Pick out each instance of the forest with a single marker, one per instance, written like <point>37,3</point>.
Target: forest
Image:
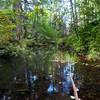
<point>46,45</point>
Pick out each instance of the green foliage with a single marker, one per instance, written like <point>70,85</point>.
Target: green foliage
<point>48,31</point>
<point>6,27</point>
<point>42,28</point>
<point>75,42</point>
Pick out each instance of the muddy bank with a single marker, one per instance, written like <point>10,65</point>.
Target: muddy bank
<point>90,72</point>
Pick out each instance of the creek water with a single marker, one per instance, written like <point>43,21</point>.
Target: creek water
<point>86,75</point>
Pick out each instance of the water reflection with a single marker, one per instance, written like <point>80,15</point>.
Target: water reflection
<point>41,81</point>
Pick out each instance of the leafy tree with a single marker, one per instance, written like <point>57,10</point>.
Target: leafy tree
<point>6,27</point>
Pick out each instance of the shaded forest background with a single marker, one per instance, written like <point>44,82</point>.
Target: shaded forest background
<point>26,25</point>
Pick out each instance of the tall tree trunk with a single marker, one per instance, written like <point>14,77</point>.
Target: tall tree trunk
<point>17,7</point>
<point>73,16</point>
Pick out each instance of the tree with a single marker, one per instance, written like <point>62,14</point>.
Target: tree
<point>6,27</point>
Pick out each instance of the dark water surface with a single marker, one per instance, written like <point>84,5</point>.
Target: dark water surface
<point>88,71</point>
